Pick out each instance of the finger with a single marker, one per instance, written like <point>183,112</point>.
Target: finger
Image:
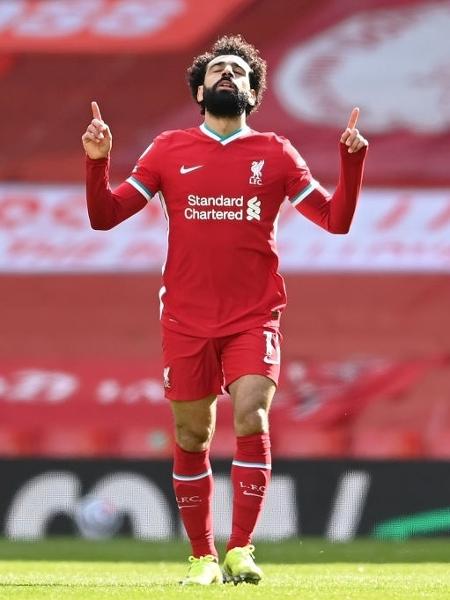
<point>100,125</point>
<point>95,130</point>
<point>89,137</point>
<point>95,133</point>
<point>353,118</point>
<point>345,136</point>
<point>353,135</point>
<point>98,129</point>
<point>358,144</point>
<point>96,111</point>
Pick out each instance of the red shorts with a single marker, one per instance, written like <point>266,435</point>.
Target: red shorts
<point>198,367</point>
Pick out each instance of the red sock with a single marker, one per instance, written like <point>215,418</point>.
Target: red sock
<point>193,485</point>
<point>250,475</point>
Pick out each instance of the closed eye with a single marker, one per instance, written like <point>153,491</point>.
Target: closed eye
<point>237,69</point>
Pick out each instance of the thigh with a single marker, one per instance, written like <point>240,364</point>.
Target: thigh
<point>253,352</point>
<point>252,392</point>
<point>192,368</point>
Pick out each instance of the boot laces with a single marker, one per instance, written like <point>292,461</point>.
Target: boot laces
<point>197,563</point>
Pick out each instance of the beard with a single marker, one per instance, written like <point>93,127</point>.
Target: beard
<point>224,103</point>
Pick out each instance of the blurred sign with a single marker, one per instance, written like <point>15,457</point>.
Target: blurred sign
<point>108,25</point>
<point>46,229</point>
<point>314,77</point>
<point>47,393</point>
<point>388,58</point>
<point>357,498</point>
<point>113,393</point>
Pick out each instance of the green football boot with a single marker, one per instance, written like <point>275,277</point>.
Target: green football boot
<point>203,571</point>
<point>239,566</point>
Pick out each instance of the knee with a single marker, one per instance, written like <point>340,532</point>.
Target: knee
<point>249,422</point>
<point>193,438</point>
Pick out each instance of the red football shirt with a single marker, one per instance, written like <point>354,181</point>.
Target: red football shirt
<point>221,197</point>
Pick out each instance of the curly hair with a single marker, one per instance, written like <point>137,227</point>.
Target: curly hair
<point>234,45</point>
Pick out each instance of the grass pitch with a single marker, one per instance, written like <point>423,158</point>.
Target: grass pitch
<point>309,570</point>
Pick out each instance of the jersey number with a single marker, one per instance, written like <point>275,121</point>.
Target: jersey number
<point>272,356</point>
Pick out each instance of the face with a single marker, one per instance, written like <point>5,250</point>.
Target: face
<point>226,91</point>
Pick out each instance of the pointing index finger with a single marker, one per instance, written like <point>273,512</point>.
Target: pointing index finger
<point>96,111</point>
<point>353,118</point>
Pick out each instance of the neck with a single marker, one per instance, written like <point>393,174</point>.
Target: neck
<point>225,125</point>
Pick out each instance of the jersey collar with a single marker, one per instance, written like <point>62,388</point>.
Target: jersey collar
<point>224,139</point>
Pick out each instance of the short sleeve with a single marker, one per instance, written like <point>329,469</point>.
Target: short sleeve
<point>299,182</point>
<point>146,175</point>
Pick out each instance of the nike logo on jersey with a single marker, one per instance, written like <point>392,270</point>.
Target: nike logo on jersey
<point>184,170</point>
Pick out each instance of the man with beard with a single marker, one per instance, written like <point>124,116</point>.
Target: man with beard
<point>221,186</point>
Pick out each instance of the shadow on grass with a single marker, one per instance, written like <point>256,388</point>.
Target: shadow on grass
<point>290,551</point>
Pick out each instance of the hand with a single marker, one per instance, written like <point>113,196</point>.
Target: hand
<point>97,140</point>
<point>351,136</point>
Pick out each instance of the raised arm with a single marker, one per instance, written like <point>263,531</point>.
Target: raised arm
<point>335,212</point>
<point>106,208</point>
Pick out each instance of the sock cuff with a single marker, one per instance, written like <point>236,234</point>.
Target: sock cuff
<point>253,448</point>
<point>255,440</point>
<point>190,464</point>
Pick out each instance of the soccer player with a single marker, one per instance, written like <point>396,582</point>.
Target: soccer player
<point>221,186</point>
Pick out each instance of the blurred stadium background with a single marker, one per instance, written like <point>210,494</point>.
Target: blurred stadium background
<point>361,423</point>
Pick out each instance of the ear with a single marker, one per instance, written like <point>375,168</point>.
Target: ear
<point>251,98</point>
<point>200,94</point>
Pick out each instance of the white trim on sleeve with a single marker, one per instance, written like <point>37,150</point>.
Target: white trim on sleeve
<point>305,192</point>
<point>140,188</point>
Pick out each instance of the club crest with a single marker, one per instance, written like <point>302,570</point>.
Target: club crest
<point>256,169</point>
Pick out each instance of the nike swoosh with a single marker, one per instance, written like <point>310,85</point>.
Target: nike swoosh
<point>184,170</point>
<point>251,494</point>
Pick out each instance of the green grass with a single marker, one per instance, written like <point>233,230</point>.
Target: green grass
<point>309,570</point>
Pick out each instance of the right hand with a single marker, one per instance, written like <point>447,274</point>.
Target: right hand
<point>351,136</point>
<point>97,139</point>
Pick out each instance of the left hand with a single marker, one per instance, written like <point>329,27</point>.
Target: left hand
<point>351,136</point>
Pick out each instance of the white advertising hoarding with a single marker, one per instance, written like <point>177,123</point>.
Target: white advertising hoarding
<point>45,229</point>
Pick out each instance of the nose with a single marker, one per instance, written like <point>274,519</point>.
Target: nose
<point>228,70</point>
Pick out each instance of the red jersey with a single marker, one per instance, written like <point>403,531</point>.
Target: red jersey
<point>221,197</point>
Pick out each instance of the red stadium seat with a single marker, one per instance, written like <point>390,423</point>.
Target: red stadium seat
<point>224,442</point>
<point>143,442</point>
<point>80,442</point>
<point>438,445</point>
<point>386,443</point>
<point>16,442</point>
<point>294,441</point>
